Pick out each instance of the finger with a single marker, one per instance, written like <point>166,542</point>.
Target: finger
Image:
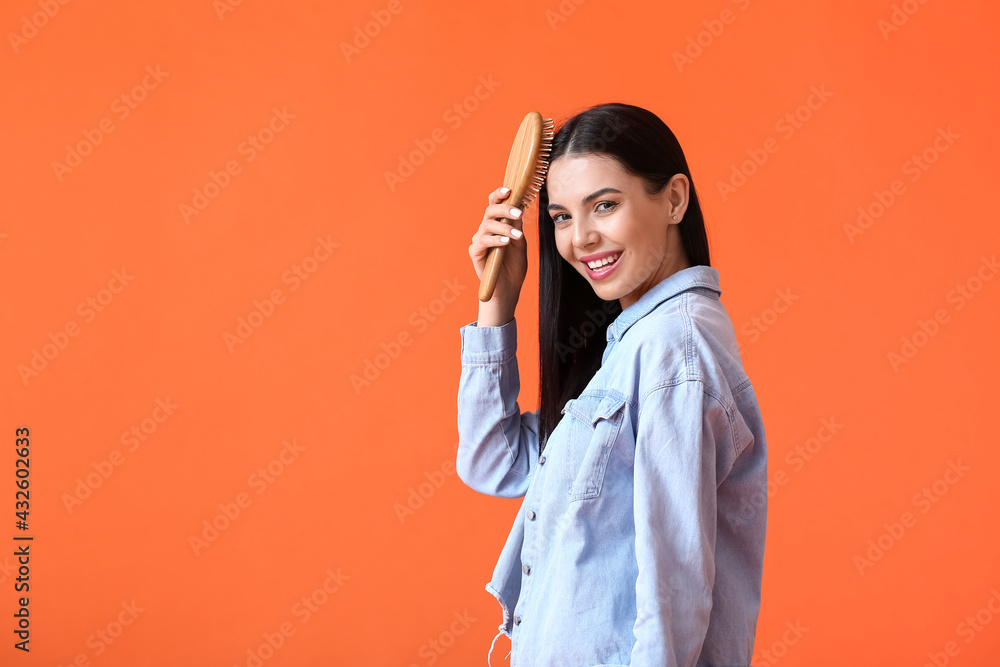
<point>498,211</point>
<point>479,250</point>
<point>496,239</point>
<point>487,241</point>
<point>487,235</point>
<point>500,228</point>
<point>499,195</point>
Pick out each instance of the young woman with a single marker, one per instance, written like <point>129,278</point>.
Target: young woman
<point>640,539</point>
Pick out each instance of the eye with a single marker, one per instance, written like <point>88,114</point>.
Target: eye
<point>556,218</point>
<point>611,207</point>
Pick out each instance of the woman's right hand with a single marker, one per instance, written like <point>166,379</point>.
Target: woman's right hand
<point>494,232</point>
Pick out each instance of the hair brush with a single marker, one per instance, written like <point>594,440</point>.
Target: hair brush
<point>526,167</point>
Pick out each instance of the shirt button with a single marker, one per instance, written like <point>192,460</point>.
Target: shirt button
<point>517,620</point>
<point>531,515</point>
<point>541,460</point>
<point>526,569</point>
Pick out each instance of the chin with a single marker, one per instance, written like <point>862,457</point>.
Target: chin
<point>605,289</point>
<point>606,292</point>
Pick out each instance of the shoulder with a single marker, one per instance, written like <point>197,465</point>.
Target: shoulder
<point>689,338</point>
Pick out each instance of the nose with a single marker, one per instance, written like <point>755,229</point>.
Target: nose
<point>584,234</point>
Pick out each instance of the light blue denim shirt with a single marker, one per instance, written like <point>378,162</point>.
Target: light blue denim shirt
<point>640,539</point>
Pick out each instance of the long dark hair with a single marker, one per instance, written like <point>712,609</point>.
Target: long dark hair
<point>572,319</point>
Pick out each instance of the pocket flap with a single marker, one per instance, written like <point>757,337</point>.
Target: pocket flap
<point>588,408</point>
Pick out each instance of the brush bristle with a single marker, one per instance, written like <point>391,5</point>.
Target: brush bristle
<point>541,166</point>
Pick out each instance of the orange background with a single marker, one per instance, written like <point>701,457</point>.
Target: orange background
<point>365,452</point>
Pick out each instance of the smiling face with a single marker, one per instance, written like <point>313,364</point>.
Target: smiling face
<point>601,211</point>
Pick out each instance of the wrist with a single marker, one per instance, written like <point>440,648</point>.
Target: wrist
<point>495,314</point>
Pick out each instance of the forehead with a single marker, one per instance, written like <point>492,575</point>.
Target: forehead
<point>578,173</point>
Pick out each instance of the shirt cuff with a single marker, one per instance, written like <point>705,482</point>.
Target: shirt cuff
<point>485,345</point>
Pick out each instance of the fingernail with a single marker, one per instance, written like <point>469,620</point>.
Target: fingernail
<point>515,212</point>
<point>504,191</point>
<point>516,233</point>
<point>504,239</point>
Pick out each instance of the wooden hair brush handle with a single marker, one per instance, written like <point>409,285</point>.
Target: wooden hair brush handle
<point>526,169</point>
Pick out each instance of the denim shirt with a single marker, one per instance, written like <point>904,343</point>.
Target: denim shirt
<point>640,539</point>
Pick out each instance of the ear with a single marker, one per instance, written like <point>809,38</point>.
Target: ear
<point>677,195</point>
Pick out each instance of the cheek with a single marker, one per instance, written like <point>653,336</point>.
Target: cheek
<point>562,244</point>
<point>564,247</point>
<point>639,239</point>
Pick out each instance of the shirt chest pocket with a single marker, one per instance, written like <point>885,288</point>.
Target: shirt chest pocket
<point>594,424</point>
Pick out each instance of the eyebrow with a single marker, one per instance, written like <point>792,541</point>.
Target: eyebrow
<point>587,199</point>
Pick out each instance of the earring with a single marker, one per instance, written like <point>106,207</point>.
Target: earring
<point>675,217</point>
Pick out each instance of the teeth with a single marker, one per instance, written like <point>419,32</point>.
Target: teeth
<point>596,264</point>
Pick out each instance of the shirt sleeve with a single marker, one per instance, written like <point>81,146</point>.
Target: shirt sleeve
<point>497,443</point>
<point>675,522</point>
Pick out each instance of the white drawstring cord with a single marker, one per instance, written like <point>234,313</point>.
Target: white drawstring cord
<point>490,654</point>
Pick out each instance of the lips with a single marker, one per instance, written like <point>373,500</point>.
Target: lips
<point>605,270</point>
<point>598,255</point>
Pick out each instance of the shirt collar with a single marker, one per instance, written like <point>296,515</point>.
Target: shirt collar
<point>680,281</point>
